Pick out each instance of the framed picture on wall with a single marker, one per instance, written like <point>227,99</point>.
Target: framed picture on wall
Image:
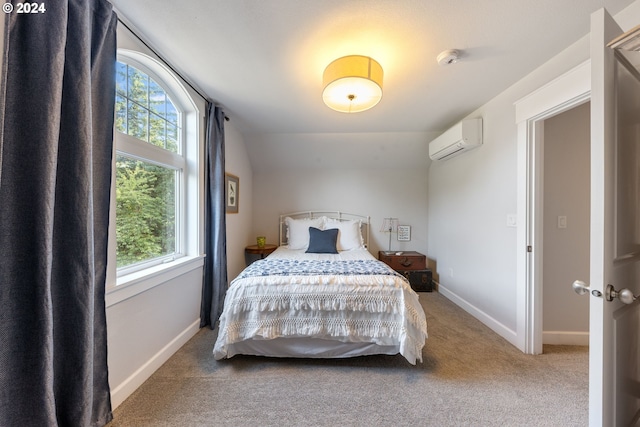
<point>232,192</point>
<point>404,233</point>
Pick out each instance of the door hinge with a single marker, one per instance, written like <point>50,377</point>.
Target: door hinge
<point>529,248</point>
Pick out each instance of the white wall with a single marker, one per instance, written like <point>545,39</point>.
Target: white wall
<point>376,174</point>
<point>379,193</point>
<point>146,328</point>
<point>566,250</point>
<point>471,195</point>
<point>239,229</point>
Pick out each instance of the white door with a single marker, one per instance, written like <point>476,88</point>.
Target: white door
<point>614,367</point>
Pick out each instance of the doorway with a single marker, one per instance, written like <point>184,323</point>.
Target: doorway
<point>568,91</point>
<point>566,225</point>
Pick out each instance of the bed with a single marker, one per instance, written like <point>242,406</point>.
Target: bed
<point>321,294</point>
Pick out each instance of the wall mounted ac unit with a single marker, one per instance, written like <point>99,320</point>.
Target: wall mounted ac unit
<point>462,137</point>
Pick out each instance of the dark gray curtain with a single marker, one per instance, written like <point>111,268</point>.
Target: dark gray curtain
<point>214,286</point>
<point>56,139</point>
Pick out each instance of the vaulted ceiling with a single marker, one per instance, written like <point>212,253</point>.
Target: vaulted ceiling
<point>263,60</point>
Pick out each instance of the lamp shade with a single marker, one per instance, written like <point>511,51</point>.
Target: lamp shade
<point>389,225</point>
<point>352,84</point>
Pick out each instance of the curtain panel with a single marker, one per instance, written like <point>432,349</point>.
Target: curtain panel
<point>56,140</point>
<point>214,286</point>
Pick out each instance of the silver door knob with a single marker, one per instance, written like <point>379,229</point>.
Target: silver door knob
<point>581,288</point>
<point>624,295</point>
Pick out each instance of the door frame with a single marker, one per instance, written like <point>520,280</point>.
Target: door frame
<point>564,93</point>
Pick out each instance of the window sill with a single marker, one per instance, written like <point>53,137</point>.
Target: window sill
<point>140,281</point>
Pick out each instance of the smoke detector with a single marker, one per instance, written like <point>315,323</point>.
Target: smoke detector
<point>448,57</point>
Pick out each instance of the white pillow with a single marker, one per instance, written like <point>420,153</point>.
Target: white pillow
<point>349,234</point>
<point>298,231</point>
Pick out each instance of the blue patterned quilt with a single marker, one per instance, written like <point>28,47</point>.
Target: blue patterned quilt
<point>289,267</point>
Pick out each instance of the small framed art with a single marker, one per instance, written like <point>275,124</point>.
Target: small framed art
<point>232,192</point>
<point>404,233</point>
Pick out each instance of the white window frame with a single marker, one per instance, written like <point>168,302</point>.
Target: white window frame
<point>130,280</point>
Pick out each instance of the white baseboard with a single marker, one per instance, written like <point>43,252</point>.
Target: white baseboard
<point>565,338</point>
<point>120,393</point>
<point>510,335</point>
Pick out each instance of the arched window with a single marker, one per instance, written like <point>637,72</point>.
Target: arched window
<point>151,175</point>
<point>144,110</point>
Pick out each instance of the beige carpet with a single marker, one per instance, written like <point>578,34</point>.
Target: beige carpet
<point>470,377</point>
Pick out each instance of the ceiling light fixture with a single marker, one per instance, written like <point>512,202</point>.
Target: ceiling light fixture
<point>352,84</point>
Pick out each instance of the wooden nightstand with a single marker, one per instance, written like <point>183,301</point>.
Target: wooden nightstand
<point>252,250</point>
<point>412,265</point>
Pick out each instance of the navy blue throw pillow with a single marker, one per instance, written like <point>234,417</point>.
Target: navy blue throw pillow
<point>322,242</point>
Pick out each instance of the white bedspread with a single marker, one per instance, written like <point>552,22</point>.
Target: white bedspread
<point>357,307</point>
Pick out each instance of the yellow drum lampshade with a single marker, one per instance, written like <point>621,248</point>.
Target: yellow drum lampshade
<point>352,84</point>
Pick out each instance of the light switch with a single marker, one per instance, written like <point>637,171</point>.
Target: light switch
<point>512,220</point>
<point>562,221</point>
